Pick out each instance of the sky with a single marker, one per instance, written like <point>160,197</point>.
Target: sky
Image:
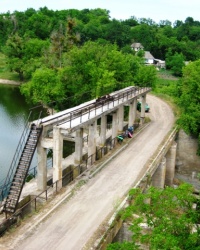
<point>156,10</point>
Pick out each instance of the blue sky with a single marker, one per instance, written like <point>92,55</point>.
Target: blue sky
<point>120,9</point>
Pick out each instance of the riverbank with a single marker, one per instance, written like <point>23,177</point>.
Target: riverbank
<point>9,82</point>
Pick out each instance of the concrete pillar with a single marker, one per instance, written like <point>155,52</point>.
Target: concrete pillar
<point>158,179</point>
<point>57,156</point>
<point>92,142</point>
<point>78,146</point>
<point>142,114</point>
<point>120,114</point>
<point>41,166</point>
<point>132,112</point>
<point>103,130</point>
<point>170,164</point>
<point>114,125</point>
<point>134,109</point>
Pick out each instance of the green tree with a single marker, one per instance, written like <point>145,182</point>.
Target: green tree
<point>146,76</point>
<point>24,55</point>
<point>171,220</point>
<point>44,87</point>
<point>190,99</point>
<point>176,63</point>
<point>14,51</point>
<point>118,32</point>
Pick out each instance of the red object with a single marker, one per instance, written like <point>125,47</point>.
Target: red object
<point>130,135</point>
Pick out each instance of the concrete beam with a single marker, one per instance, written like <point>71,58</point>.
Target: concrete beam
<point>143,103</point>
<point>41,166</point>
<point>57,156</point>
<point>170,163</point>
<point>132,112</point>
<point>103,130</point>
<point>92,141</point>
<point>120,117</point>
<point>158,178</point>
<point>114,125</point>
<point>47,143</point>
<point>78,146</point>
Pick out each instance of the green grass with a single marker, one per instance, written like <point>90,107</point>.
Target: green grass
<point>5,72</point>
<point>166,74</point>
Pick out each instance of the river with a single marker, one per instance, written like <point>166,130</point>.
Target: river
<point>14,112</point>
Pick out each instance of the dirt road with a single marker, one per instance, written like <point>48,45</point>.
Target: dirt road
<point>74,222</point>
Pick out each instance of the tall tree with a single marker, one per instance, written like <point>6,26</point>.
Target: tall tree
<point>190,100</point>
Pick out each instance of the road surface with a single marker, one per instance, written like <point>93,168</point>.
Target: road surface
<point>74,222</point>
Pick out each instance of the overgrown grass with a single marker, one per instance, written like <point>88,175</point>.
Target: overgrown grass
<point>168,89</point>
<point>5,72</point>
<point>166,74</point>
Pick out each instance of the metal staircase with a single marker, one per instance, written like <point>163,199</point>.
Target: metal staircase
<point>20,166</point>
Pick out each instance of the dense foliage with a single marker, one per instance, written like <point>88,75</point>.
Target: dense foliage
<point>71,56</point>
<point>190,100</point>
<point>177,42</point>
<point>168,217</point>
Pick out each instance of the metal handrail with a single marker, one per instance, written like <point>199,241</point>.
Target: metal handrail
<point>79,111</point>
<point>88,108</point>
<point>16,157</point>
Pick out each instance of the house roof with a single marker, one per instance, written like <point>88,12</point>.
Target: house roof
<point>148,55</point>
<point>137,45</point>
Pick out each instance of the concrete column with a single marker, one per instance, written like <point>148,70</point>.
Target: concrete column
<point>92,141</point>
<point>103,130</point>
<point>132,112</point>
<point>120,114</point>
<point>134,109</point>
<point>78,146</point>
<point>114,125</point>
<point>57,156</point>
<point>158,179</point>
<point>170,163</point>
<point>41,166</point>
<point>142,114</point>
<point>130,115</point>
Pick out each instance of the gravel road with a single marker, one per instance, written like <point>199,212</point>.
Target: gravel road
<point>75,221</point>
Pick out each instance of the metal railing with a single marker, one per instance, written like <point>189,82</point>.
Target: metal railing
<point>20,147</point>
<point>78,111</point>
<point>16,158</point>
<point>67,178</point>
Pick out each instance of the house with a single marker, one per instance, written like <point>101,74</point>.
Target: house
<point>137,46</point>
<point>149,59</point>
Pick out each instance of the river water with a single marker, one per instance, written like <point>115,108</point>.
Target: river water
<point>14,112</point>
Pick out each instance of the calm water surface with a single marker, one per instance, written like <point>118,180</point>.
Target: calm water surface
<point>14,112</point>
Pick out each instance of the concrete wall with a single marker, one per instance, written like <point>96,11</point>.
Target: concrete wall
<point>186,158</point>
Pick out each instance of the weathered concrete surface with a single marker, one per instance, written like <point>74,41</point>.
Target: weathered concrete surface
<point>187,159</point>
<point>79,220</point>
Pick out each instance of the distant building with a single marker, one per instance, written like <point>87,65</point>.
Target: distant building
<point>137,46</point>
<point>149,59</point>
